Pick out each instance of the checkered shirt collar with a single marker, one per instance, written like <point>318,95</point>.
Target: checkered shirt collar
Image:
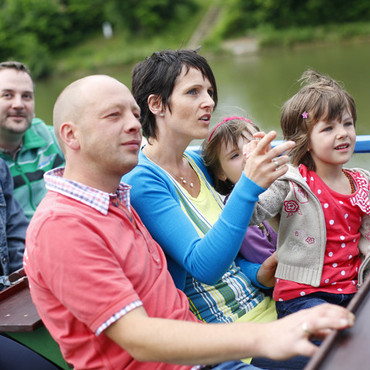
<point>92,197</point>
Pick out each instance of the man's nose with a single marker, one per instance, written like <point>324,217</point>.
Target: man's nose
<point>17,101</point>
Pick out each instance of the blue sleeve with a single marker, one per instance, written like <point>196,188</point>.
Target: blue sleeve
<point>208,258</point>
<point>16,222</point>
<point>249,269</point>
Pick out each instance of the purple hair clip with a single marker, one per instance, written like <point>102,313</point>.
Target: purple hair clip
<point>304,114</point>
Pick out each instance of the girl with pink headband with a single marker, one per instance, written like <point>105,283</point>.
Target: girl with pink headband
<point>223,155</point>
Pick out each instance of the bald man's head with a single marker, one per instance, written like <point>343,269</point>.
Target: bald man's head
<point>74,100</point>
<point>96,120</point>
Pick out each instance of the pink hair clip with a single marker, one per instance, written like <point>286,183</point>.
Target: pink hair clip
<point>226,120</point>
<point>304,114</point>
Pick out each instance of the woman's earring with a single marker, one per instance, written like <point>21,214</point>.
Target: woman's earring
<point>161,115</point>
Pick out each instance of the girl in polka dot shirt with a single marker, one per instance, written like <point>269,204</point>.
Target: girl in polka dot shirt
<point>323,208</point>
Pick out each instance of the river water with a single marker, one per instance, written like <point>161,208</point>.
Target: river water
<point>256,85</point>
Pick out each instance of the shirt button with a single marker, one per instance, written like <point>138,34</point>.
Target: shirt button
<point>4,260</point>
<point>116,203</point>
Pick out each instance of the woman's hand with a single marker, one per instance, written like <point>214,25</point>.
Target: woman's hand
<point>266,273</point>
<point>264,165</point>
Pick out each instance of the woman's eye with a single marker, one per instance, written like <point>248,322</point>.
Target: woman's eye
<point>193,92</point>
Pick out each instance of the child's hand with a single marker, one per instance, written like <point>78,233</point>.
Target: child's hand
<point>259,135</point>
<point>266,273</point>
<point>264,165</point>
<point>249,148</point>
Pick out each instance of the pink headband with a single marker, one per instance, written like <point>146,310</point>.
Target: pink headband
<point>226,120</point>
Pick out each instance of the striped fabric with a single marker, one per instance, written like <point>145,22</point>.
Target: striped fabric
<point>233,295</point>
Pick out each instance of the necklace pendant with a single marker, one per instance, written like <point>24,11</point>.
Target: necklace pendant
<point>191,184</point>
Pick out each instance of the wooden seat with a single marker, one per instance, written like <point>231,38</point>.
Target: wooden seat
<point>20,320</point>
<point>17,311</point>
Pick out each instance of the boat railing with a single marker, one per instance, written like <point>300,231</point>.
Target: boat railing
<point>362,144</point>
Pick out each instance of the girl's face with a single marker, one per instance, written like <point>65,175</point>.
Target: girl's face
<point>231,158</point>
<point>191,106</point>
<point>332,143</point>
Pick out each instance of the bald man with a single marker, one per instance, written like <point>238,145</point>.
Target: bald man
<point>98,279</point>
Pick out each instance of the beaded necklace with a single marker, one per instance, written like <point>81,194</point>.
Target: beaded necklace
<point>183,180</point>
<point>179,178</point>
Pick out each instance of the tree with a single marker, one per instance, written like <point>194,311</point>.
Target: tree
<point>146,16</point>
<point>30,30</point>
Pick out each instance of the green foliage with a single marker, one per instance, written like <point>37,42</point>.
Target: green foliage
<point>37,32</point>
<point>124,49</point>
<point>281,14</point>
<point>36,55</point>
<point>268,36</point>
<point>147,16</point>
<point>31,30</point>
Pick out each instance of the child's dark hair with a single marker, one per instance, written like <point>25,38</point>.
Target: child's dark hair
<point>157,75</point>
<point>226,132</point>
<point>320,98</point>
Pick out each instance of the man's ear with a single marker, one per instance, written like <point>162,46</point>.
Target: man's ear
<point>69,135</point>
<point>155,105</point>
